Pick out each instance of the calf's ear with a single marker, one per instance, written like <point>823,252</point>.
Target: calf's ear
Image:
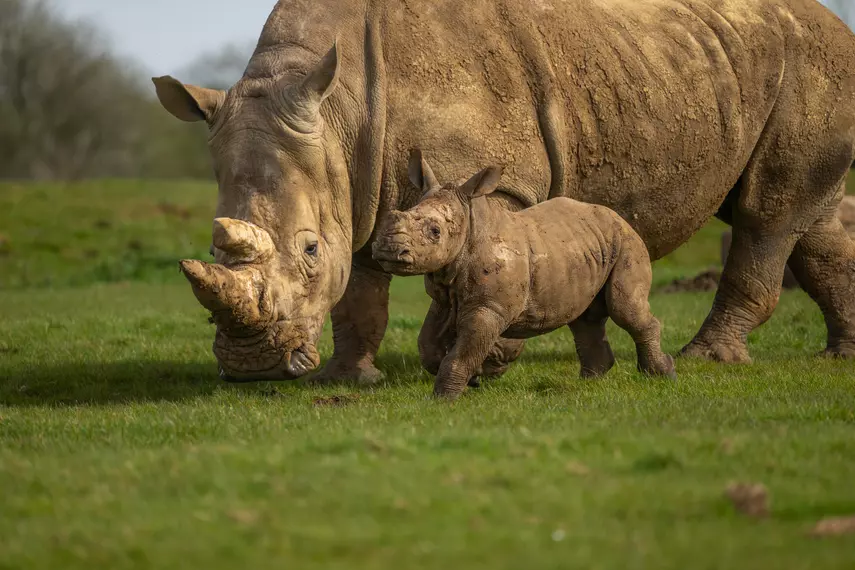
<point>483,183</point>
<point>188,102</point>
<point>420,172</point>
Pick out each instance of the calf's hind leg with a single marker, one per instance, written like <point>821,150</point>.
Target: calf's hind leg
<point>592,346</point>
<point>626,295</point>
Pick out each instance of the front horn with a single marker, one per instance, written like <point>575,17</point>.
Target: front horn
<point>222,290</point>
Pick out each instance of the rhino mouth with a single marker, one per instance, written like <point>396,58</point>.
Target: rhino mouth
<point>292,365</point>
<point>297,363</point>
<point>264,356</point>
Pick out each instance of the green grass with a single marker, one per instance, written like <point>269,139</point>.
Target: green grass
<point>119,447</point>
<point>78,234</point>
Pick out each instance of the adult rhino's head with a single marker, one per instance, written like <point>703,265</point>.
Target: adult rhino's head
<point>282,233</point>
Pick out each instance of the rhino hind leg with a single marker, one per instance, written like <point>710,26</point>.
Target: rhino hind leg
<point>501,356</point>
<point>824,263</point>
<point>592,345</point>
<point>626,295</point>
<point>790,281</point>
<point>791,181</point>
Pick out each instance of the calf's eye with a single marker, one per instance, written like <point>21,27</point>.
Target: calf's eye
<point>312,249</point>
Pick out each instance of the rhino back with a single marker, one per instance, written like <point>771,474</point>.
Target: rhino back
<point>633,104</point>
<point>642,105</point>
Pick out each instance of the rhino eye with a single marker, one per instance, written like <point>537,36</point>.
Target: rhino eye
<point>312,249</point>
<point>435,232</point>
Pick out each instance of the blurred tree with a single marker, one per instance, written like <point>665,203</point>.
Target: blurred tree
<point>66,105</point>
<point>69,109</point>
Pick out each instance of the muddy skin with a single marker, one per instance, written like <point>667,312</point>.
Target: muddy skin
<point>739,109</point>
<point>516,275</point>
<point>439,332</point>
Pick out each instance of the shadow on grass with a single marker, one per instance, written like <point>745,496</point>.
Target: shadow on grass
<point>135,381</point>
<point>108,383</point>
<point>398,364</point>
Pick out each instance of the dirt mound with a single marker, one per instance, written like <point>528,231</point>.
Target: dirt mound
<point>705,281</point>
<point>749,499</point>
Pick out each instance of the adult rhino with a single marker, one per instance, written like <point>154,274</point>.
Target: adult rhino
<point>668,111</point>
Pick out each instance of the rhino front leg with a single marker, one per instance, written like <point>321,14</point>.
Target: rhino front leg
<point>502,355</point>
<point>436,337</point>
<point>477,335</point>
<point>359,322</point>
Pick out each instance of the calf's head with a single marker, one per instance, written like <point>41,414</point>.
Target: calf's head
<point>431,234</point>
<point>282,237</point>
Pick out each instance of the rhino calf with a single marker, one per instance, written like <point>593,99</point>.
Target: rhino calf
<point>516,275</point>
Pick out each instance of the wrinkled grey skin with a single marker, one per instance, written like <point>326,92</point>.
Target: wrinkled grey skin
<point>520,274</point>
<point>846,215</point>
<point>667,111</point>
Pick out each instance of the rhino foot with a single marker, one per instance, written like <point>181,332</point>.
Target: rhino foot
<point>595,361</point>
<point>663,366</point>
<point>339,373</point>
<point>728,353</point>
<point>841,349</point>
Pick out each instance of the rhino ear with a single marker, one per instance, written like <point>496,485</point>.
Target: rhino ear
<point>188,102</point>
<point>420,172</point>
<point>318,84</point>
<point>483,183</point>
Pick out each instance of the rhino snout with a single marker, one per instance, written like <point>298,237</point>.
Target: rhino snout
<point>394,255</point>
<point>295,364</point>
<point>392,248</point>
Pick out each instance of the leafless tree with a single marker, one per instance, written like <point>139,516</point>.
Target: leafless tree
<point>67,108</point>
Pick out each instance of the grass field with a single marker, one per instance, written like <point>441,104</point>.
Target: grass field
<point>119,448</point>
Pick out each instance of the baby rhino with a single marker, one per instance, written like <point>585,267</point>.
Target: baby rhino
<point>515,275</point>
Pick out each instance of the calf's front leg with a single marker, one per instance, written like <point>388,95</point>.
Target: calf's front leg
<point>436,337</point>
<point>477,333</point>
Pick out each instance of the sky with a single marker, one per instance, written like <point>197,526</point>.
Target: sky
<point>166,35</point>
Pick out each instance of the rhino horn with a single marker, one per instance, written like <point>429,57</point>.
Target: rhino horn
<point>244,241</point>
<point>223,291</point>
